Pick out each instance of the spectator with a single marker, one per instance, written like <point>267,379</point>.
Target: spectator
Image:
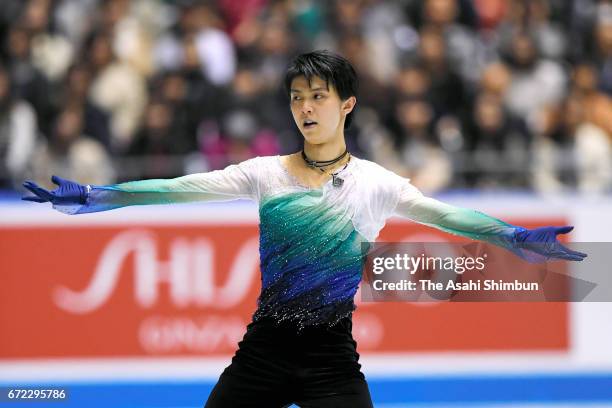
<point>447,90</point>
<point>372,92</point>
<point>71,154</point>
<point>244,124</point>
<point>597,105</point>
<point>498,144</point>
<point>536,82</point>
<point>603,41</point>
<point>159,142</point>
<point>52,53</point>
<point>116,88</point>
<point>552,150</point>
<point>462,44</point>
<point>190,104</point>
<point>27,82</point>
<point>274,48</point>
<point>587,147</point>
<point>214,47</point>
<point>75,88</point>
<point>424,162</point>
<point>18,134</point>
<point>534,17</point>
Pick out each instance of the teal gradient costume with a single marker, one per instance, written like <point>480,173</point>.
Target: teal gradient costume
<point>313,241</point>
<point>311,261</point>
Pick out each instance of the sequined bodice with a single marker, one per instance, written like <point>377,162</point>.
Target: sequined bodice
<point>311,259</point>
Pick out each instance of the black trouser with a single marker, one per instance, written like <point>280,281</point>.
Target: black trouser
<point>276,366</point>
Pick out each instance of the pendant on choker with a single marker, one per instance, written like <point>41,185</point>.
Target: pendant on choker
<point>337,181</point>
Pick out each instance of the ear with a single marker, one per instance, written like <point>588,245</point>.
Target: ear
<point>348,105</point>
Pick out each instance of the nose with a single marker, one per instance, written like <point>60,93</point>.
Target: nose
<point>306,108</point>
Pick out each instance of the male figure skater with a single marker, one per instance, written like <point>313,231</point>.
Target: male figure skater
<point>316,208</point>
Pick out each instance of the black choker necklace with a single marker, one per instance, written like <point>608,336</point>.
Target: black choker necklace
<point>322,163</point>
<point>336,181</point>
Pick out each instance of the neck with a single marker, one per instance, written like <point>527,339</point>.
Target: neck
<point>325,151</point>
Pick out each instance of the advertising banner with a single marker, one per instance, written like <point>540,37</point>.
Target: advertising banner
<point>142,289</point>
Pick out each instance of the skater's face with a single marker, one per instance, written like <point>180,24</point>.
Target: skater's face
<point>318,110</point>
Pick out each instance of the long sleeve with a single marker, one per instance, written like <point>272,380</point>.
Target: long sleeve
<point>233,182</point>
<point>412,204</point>
<point>534,246</point>
<point>459,221</point>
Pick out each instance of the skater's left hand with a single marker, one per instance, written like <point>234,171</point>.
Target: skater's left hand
<point>543,241</point>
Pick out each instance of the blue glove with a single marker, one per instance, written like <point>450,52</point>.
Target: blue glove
<point>543,241</point>
<point>68,192</point>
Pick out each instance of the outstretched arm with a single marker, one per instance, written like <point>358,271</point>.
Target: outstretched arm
<point>235,181</point>
<point>535,245</point>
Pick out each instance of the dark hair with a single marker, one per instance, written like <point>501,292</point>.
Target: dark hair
<point>332,68</point>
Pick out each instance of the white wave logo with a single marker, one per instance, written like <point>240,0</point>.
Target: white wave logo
<point>189,273</point>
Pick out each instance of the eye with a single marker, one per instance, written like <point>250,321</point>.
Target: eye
<point>295,98</point>
<point>318,96</point>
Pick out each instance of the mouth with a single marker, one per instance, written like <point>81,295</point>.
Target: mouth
<point>309,124</point>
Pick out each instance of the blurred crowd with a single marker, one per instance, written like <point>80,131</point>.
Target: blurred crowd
<point>453,93</point>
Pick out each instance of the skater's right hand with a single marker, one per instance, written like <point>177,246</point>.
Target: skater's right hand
<point>68,192</point>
